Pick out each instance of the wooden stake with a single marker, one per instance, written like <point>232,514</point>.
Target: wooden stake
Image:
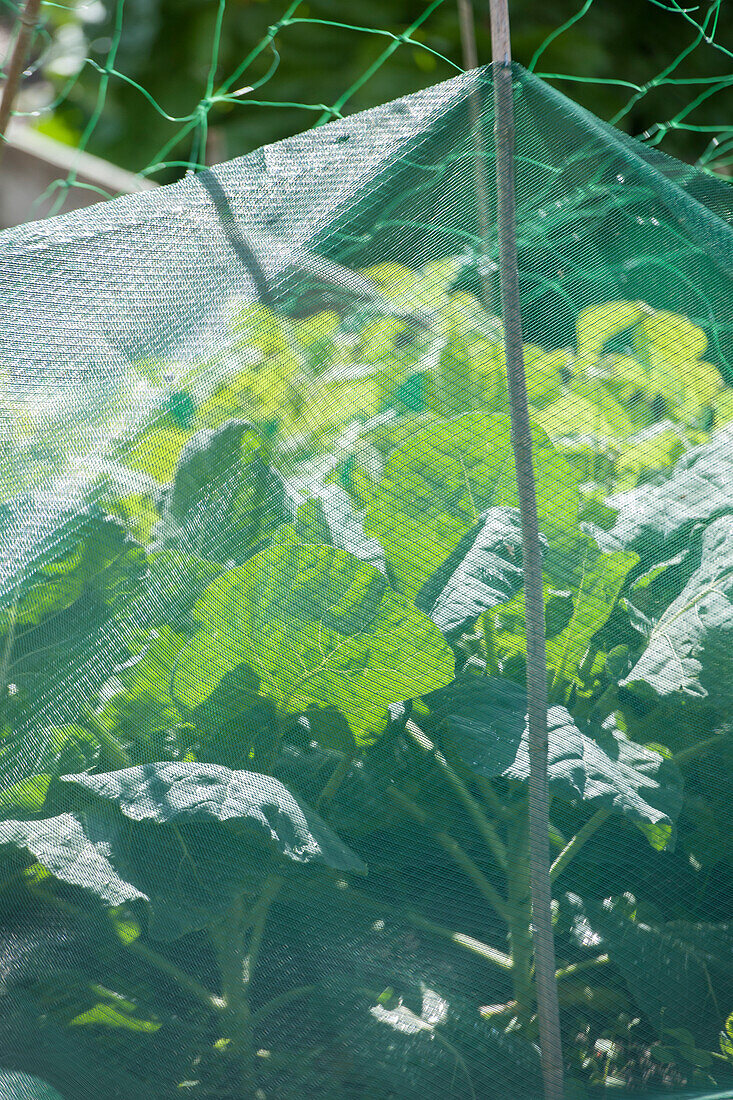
<point>28,21</point>
<point>468,34</point>
<point>539,803</point>
<point>475,108</point>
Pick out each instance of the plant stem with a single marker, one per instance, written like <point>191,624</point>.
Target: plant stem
<point>335,780</point>
<point>280,1000</point>
<point>539,801</point>
<point>582,836</point>
<point>692,751</point>
<point>412,916</point>
<point>587,663</point>
<point>160,962</point>
<point>118,757</point>
<point>578,968</point>
<point>511,1008</point>
<point>454,850</point>
<point>476,947</point>
<point>211,1000</point>
<point>492,799</point>
<point>27,24</point>
<point>237,965</point>
<point>272,887</point>
<point>228,939</point>
<point>491,1012</point>
<point>477,815</point>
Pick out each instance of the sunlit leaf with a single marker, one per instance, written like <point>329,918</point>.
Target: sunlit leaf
<point>317,626</point>
<point>439,481</point>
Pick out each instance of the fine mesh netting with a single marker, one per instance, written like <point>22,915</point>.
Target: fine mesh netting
<point>264,768</point>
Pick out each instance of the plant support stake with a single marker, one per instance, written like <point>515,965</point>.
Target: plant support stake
<point>470,61</point>
<point>26,26</point>
<point>539,802</point>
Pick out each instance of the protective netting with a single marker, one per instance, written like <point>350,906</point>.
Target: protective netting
<point>160,88</point>
<point>264,764</point>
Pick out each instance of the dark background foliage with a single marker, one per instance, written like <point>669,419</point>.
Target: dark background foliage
<point>165,47</point>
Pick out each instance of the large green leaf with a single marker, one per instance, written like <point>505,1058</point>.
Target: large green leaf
<point>317,626</point>
<point>437,483</point>
<point>23,1086</point>
<point>670,347</point>
<point>187,875</point>
<point>26,777</point>
<point>598,418</point>
<point>143,708</point>
<point>668,966</point>
<point>170,793</point>
<point>238,727</point>
<point>59,666</point>
<point>207,463</point>
<point>690,649</point>
<point>326,514</point>
<point>484,570</point>
<point>81,849</point>
<point>156,450</point>
<point>594,578</point>
<point>174,581</point>
<point>648,454</point>
<point>655,520</point>
<point>95,560</point>
<point>487,720</point>
<point>601,578</point>
<point>186,839</point>
<point>225,497</point>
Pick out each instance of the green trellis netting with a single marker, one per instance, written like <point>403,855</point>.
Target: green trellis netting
<point>263,769</point>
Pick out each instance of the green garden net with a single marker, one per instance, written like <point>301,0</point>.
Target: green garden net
<point>263,772</point>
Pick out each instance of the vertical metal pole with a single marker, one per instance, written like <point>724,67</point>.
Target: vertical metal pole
<point>27,24</point>
<point>539,802</point>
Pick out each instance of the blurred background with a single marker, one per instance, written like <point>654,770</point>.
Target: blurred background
<point>161,86</point>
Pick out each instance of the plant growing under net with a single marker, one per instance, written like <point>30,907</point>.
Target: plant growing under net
<point>265,764</point>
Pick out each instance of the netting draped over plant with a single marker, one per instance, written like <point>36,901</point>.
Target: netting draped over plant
<point>263,799</point>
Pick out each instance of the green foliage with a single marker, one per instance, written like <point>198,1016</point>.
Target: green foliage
<point>600,767</point>
<point>483,571</point>
<point>224,499</point>
<point>299,652</point>
<point>100,567</point>
<point>689,648</point>
<point>317,627</point>
<point>573,616</point>
<point>658,519</point>
<point>436,485</point>
<point>64,749</point>
<point>664,963</point>
<point>184,838</point>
